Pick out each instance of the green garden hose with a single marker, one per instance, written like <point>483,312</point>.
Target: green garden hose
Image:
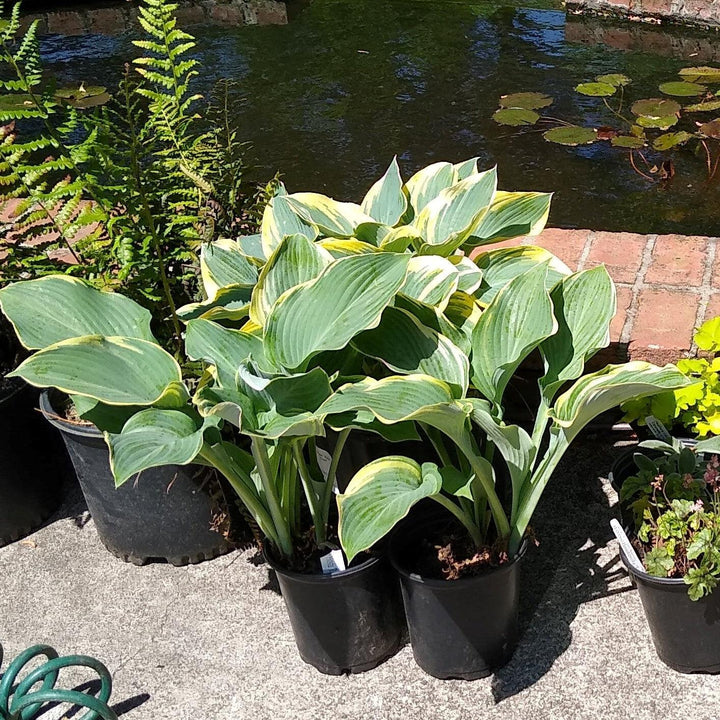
<point>20,702</point>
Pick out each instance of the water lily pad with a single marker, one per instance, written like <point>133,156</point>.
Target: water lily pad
<point>628,141</point>
<point>16,102</point>
<point>571,135</point>
<point>526,100</point>
<point>704,73</point>
<point>682,89</point>
<point>614,79</point>
<point>655,108</point>
<point>713,104</point>
<point>671,140</point>
<point>515,117</point>
<point>662,123</point>
<point>596,89</point>
<point>711,129</point>
<point>82,96</point>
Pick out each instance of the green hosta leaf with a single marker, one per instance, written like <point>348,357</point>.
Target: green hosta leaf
<point>379,496</point>
<point>571,135</point>
<point>400,239</point>
<point>114,370</point>
<point>469,274</point>
<point>707,106</point>
<point>584,305</point>
<point>406,346</point>
<point>671,140</point>
<point>596,89</point>
<point>511,215</point>
<point>526,100</point>
<point>711,129</point>
<point>614,79</point>
<point>515,117</point>
<point>372,233</point>
<point>251,245</point>
<point>627,141</point>
<point>229,303</point>
<point>280,219</point>
<point>326,313</point>
<point>431,279</point>
<point>466,168</point>
<point>223,263</point>
<point>448,220</point>
<point>518,319</point>
<point>703,73</point>
<point>459,484</point>
<point>386,202</point>
<point>152,438</point>
<point>461,305</point>
<point>426,184</point>
<point>295,261</point>
<point>662,123</point>
<point>337,219</point>
<point>655,107</point>
<point>345,248</point>
<point>682,89</point>
<point>56,307</point>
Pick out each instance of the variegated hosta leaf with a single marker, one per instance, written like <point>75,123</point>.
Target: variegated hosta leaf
<point>379,496</point>
<point>426,184</point>
<point>337,219</point>
<point>345,248</point>
<point>584,306</point>
<point>431,279</point>
<point>469,274</point>
<point>399,239</point>
<point>466,168</point>
<point>152,438</point>
<point>449,219</point>
<point>511,215</point>
<point>114,370</point>
<point>251,245</point>
<point>386,201</point>
<point>500,266</point>
<point>56,308</point>
<point>372,233</point>
<point>407,346</point>
<point>613,385</point>
<point>463,312</point>
<point>326,313</point>
<point>223,263</point>
<point>296,260</point>
<point>279,220</point>
<point>515,323</point>
<point>435,319</point>
<point>229,303</point>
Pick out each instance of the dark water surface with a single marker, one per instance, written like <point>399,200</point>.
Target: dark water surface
<point>330,97</point>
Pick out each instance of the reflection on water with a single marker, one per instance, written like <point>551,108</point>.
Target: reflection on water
<point>330,97</point>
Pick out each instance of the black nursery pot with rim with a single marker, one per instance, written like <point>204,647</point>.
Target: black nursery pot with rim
<point>348,621</point>
<point>165,513</point>
<point>459,629</point>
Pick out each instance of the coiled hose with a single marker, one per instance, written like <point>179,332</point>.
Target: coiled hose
<point>21,702</point>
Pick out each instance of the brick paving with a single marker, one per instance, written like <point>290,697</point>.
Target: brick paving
<point>704,13</point>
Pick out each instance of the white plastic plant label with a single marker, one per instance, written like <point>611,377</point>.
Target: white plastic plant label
<point>658,429</point>
<point>332,562</point>
<point>324,459</point>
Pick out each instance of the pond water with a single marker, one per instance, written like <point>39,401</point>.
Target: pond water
<point>330,97</point>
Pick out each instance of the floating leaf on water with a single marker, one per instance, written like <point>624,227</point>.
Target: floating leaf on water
<point>571,135</point>
<point>596,89</point>
<point>82,96</point>
<point>16,102</point>
<point>671,140</point>
<point>704,73</point>
<point>711,129</point>
<point>682,89</point>
<point>526,100</point>
<point>637,131</point>
<point>606,133</point>
<point>655,108</point>
<point>628,141</point>
<point>614,79</point>
<point>713,104</point>
<point>91,101</point>
<point>662,123</point>
<point>515,117</point>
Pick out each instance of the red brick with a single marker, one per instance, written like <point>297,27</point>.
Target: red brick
<point>190,15</point>
<point>664,325</point>
<point>678,260</point>
<point>107,21</point>
<point>272,13</point>
<point>620,39</point>
<point>228,14</point>
<point>653,7</point>
<point>624,298</point>
<point>565,244</point>
<point>7,210</point>
<point>713,307</point>
<point>620,252</point>
<point>66,23</point>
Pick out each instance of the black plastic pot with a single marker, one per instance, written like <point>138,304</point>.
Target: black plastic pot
<point>32,464</point>
<point>463,628</point>
<point>165,513</point>
<point>343,622</point>
<point>686,633</point>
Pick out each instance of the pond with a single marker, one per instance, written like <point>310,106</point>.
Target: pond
<point>330,97</point>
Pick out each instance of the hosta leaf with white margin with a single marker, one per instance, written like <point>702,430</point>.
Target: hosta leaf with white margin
<point>279,220</point>
<point>152,438</point>
<point>56,307</point>
<point>426,184</point>
<point>339,248</point>
<point>229,303</point>
<point>463,312</point>
<point>106,418</point>
<point>502,265</point>
<point>333,218</point>
<point>516,321</point>
<point>386,201</point>
<point>296,260</point>
<point>114,370</point>
<point>224,348</point>
<point>399,239</point>
<point>326,313</point>
<point>433,318</point>
<point>251,245</point>
<point>469,274</point>
<point>379,496</point>
<point>407,346</point>
<point>584,305</point>
<point>447,221</point>
<point>512,214</point>
<point>431,279</point>
<point>466,168</point>
<point>372,233</point>
<point>223,263</point>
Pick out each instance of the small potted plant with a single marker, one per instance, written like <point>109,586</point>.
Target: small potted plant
<point>673,503</point>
